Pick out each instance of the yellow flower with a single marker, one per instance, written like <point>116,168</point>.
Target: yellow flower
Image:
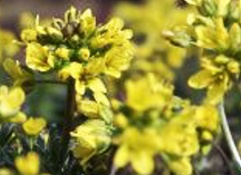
<point>215,76</point>
<point>28,165</point>
<point>120,121</point>
<point>39,57</point>
<point>92,137</point>
<point>18,74</point>
<point>84,53</point>
<point>89,108</point>
<point>179,139</point>
<point>7,48</point>
<point>117,59</point>
<point>34,126</point>
<point>73,70</point>
<point>63,53</point>
<point>10,101</point>
<point>94,84</point>
<point>135,149</point>
<point>147,93</point>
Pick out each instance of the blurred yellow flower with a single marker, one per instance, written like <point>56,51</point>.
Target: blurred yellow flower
<point>11,101</point>
<point>33,126</point>
<point>179,139</point>
<point>29,164</point>
<point>137,148</point>
<point>38,57</point>
<point>147,93</point>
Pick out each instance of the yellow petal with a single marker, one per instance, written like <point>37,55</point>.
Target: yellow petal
<point>101,98</point>
<point>121,157</point>
<point>201,80</point>
<point>80,87</point>
<point>97,85</point>
<point>142,162</point>
<point>216,93</point>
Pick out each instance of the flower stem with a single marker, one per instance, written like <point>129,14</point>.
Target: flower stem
<point>69,114</point>
<point>228,135</point>
<point>113,170</point>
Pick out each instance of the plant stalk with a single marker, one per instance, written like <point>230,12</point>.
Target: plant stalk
<point>228,135</point>
<point>69,114</point>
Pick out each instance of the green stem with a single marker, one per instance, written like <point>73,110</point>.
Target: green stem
<point>69,114</point>
<point>228,135</point>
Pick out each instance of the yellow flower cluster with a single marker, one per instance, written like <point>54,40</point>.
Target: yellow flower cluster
<point>152,121</point>
<point>79,52</point>
<point>148,20</point>
<point>77,48</point>
<point>216,30</point>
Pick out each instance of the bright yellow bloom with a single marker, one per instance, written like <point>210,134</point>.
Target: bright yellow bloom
<point>63,53</point>
<point>34,126</point>
<point>91,108</point>
<point>92,137</point>
<point>180,140</point>
<point>18,74</point>
<point>147,93</point>
<point>84,54</point>
<point>73,70</point>
<point>135,149</point>
<point>11,101</point>
<point>29,164</point>
<point>215,76</point>
<point>39,58</point>
<point>120,121</point>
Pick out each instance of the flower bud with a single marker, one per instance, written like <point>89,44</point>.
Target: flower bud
<point>84,53</point>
